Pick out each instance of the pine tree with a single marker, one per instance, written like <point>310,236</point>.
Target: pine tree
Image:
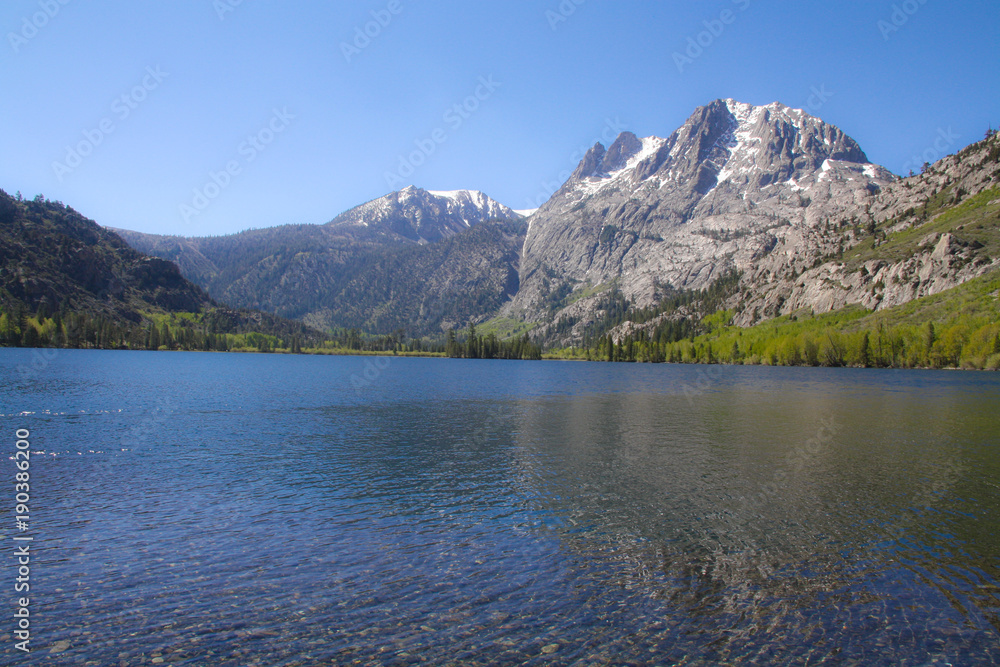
<point>8,332</point>
<point>166,339</point>
<point>929,338</point>
<point>863,356</point>
<point>30,337</point>
<point>153,338</point>
<point>472,343</point>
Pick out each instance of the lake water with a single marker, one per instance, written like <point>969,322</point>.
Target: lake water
<point>224,509</point>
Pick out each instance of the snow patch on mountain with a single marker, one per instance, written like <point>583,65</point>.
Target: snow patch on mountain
<point>424,216</point>
<point>594,184</point>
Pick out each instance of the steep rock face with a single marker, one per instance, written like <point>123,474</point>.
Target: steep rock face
<point>921,235</point>
<point>720,193</point>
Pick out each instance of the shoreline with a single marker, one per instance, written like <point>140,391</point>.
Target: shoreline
<point>441,355</point>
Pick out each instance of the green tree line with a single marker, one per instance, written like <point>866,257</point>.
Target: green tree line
<point>476,346</point>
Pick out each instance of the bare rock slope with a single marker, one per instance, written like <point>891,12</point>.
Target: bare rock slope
<point>769,192</point>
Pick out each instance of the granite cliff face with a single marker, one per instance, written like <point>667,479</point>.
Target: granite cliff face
<point>721,193</point>
<point>918,236</point>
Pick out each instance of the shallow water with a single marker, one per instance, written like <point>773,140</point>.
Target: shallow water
<point>214,509</point>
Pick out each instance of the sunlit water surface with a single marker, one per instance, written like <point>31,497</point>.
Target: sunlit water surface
<point>213,509</point>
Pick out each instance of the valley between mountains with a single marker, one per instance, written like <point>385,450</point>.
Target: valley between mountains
<point>744,217</point>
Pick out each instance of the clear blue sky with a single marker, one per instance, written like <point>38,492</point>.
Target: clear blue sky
<point>220,77</point>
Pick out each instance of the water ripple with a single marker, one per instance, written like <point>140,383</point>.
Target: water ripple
<point>251,510</point>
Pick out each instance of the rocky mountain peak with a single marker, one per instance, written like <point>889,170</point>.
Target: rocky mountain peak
<point>591,163</point>
<point>677,212</point>
<point>726,141</point>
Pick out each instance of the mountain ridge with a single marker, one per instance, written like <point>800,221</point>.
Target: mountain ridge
<point>67,281</point>
<point>313,272</point>
<point>679,212</point>
<point>768,192</point>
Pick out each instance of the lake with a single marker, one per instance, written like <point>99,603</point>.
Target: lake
<point>226,509</point>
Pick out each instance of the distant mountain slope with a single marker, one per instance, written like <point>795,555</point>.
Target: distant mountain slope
<point>50,253</point>
<point>55,263</point>
<point>425,289</point>
<point>377,267</point>
<point>424,216</point>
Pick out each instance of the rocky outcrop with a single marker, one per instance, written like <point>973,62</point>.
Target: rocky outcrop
<point>915,239</point>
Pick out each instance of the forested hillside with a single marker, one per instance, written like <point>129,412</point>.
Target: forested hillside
<point>331,277</point>
<point>67,282</point>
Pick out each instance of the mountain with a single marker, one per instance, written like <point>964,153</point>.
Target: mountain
<point>759,210</point>
<point>85,286</point>
<point>655,215</point>
<point>423,216</point>
<point>925,251</point>
<point>918,236</point>
<point>414,259</point>
<point>51,254</point>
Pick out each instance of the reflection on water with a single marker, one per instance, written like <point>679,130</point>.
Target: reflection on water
<point>268,513</point>
<point>772,525</point>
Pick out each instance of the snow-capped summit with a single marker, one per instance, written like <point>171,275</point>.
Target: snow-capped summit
<point>425,216</point>
<point>715,196</point>
<point>726,141</point>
